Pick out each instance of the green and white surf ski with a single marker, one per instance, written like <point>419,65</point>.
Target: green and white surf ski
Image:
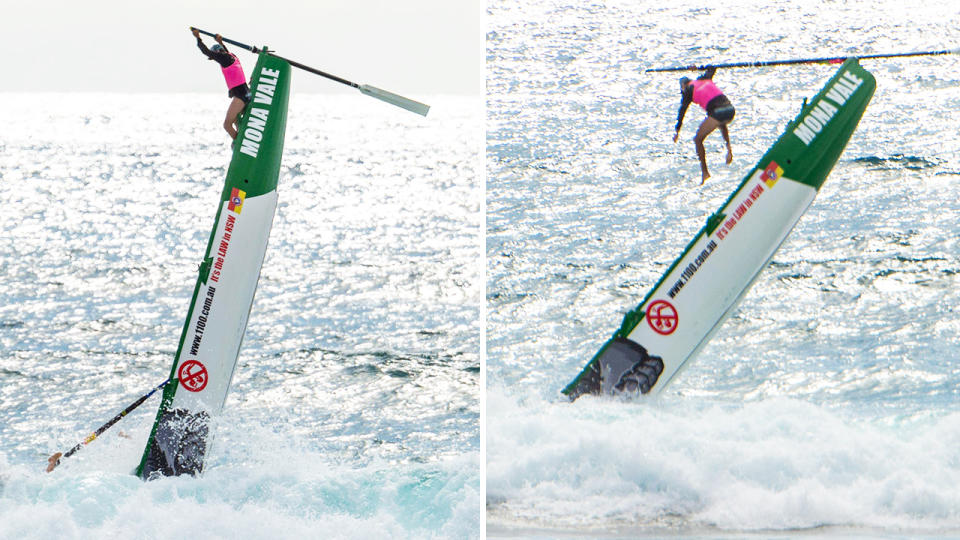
<point>217,318</point>
<point>703,286</point>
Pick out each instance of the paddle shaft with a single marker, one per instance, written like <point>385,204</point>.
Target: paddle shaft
<point>55,459</point>
<point>835,59</point>
<point>315,71</point>
<point>228,40</point>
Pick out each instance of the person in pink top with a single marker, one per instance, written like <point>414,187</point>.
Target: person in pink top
<point>236,81</point>
<point>719,110</point>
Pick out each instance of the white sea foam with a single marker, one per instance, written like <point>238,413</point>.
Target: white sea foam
<point>687,464</point>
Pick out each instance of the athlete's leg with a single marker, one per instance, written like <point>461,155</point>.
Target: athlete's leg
<point>726,139</point>
<point>230,122</point>
<point>707,127</point>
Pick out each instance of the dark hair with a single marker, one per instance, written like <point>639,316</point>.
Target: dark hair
<point>684,80</point>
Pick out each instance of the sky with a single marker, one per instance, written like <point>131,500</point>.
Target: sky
<point>418,47</point>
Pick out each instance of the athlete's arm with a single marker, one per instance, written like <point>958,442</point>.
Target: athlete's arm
<point>708,74</point>
<point>685,99</point>
<point>219,39</point>
<point>221,57</point>
<point>203,48</point>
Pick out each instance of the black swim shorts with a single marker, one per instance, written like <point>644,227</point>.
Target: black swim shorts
<point>241,91</point>
<point>723,114</point>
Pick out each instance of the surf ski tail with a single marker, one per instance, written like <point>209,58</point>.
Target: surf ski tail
<point>223,296</point>
<point>704,285</point>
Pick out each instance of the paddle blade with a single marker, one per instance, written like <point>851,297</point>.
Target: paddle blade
<point>394,99</point>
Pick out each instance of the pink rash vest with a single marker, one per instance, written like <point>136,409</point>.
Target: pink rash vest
<point>703,91</point>
<point>235,77</point>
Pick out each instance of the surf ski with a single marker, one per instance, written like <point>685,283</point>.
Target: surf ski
<point>216,320</point>
<point>703,286</point>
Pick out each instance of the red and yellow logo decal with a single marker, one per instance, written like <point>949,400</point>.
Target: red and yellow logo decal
<point>771,174</point>
<point>236,200</point>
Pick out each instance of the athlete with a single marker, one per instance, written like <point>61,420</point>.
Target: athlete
<point>719,114</point>
<point>236,81</point>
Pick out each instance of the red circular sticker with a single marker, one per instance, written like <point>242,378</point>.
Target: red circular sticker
<point>193,375</point>
<point>662,317</point>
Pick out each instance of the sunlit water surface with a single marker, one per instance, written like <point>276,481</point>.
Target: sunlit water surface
<point>829,403</point>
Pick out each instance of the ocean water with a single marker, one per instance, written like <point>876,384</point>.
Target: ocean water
<point>829,403</point>
<point>355,407</point>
